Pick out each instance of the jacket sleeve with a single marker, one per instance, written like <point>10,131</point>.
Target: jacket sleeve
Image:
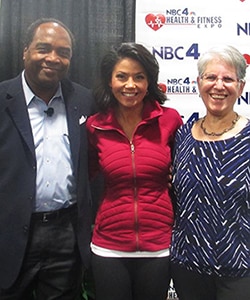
<point>93,158</point>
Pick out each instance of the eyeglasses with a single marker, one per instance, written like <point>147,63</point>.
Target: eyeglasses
<point>211,78</point>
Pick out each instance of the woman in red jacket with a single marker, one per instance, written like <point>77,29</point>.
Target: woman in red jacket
<point>131,141</point>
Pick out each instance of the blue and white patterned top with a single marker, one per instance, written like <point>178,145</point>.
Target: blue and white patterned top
<point>212,185</point>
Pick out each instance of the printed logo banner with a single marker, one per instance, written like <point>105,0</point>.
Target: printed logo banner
<point>177,32</point>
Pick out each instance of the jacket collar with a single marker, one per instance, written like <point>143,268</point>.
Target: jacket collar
<point>151,110</point>
<point>15,101</point>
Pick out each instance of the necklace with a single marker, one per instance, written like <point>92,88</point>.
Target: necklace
<point>237,117</point>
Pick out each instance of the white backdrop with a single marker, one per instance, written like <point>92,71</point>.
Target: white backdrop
<point>177,32</point>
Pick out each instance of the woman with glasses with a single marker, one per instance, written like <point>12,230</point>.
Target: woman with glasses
<point>210,254</point>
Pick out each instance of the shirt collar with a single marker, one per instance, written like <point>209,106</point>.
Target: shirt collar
<point>29,95</point>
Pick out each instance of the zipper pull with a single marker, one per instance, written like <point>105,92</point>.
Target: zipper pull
<point>132,147</point>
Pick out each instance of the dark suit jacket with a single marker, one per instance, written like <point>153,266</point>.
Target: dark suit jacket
<point>18,172</point>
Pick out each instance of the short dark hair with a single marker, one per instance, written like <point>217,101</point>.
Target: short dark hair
<point>33,27</point>
<point>102,92</point>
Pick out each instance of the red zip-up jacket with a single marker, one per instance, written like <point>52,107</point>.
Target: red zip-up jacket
<point>136,212</point>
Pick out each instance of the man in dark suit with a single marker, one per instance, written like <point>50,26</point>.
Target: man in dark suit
<point>45,218</point>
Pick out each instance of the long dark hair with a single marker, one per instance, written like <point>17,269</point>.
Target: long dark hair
<point>102,91</point>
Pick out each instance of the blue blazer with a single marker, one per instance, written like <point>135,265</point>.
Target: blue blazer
<point>18,172</point>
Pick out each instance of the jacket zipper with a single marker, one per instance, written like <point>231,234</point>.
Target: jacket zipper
<point>132,148</point>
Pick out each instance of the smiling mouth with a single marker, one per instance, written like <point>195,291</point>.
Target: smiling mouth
<point>50,69</point>
<point>129,94</point>
<point>218,97</point>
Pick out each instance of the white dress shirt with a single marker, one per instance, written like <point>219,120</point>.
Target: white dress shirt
<point>55,183</point>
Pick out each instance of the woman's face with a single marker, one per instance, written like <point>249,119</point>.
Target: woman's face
<point>129,83</point>
<point>219,87</point>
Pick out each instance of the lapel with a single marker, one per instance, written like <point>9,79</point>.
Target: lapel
<point>18,110</point>
<point>72,109</point>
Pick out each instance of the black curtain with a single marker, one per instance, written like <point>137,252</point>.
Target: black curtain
<point>96,25</point>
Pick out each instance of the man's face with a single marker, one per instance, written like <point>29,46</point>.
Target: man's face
<point>47,58</point>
